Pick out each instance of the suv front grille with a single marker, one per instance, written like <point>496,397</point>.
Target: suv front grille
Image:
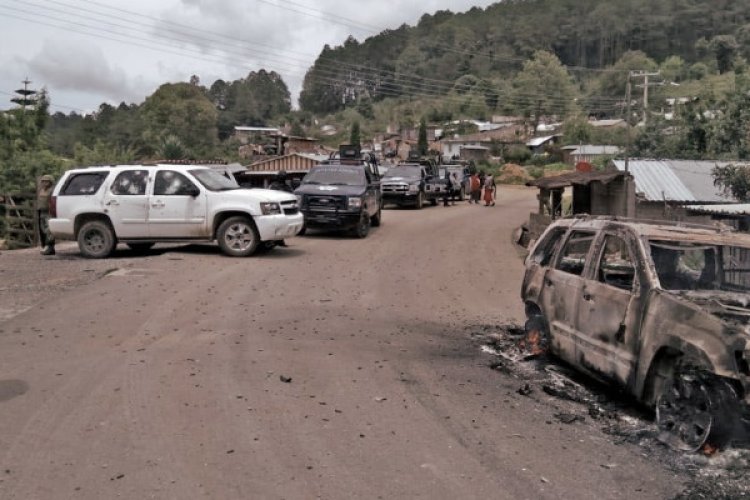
<point>395,188</point>
<point>289,207</point>
<point>326,203</point>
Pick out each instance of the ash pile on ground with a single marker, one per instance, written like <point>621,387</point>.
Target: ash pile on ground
<point>573,397</point>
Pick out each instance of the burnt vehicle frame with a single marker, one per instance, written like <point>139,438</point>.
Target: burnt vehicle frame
<point>599,295</point>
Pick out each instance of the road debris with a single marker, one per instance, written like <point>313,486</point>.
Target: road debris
<point>285,379</point>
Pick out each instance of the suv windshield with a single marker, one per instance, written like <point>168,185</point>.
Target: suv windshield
<point>213,180</point>
<point>336,176</point>
<point>406,172</point>
<point>698,266</point>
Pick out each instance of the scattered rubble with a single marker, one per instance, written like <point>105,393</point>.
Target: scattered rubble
<point>715,473</point>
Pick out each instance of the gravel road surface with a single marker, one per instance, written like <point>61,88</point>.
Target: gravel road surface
<point>334,368</point>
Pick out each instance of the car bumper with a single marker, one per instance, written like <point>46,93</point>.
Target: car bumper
<point>61,228</point>
<point>333,220</point>
<point>278,227</point>
<point>400,197</point>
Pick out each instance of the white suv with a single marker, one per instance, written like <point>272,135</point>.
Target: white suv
<point>141,205</point>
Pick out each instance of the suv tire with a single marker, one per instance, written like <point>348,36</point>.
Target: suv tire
<point>96,240</point>
<point>420,201</point>
<point>462,194</point>
<point>238,237</point>
<point>375,221</point>
<point>363,227</point>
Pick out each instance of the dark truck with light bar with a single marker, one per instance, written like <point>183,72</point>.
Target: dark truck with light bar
<point>341,194</point>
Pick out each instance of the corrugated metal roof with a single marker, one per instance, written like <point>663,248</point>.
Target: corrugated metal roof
<point>722,209</point>
<point>538,141</point>
<point>588,149</point>
<point>675,180</point>
<point>575,178</point>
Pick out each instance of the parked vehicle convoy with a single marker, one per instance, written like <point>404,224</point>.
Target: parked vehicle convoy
<point>406,184</point>
<point>659,310</point>
<point>437,185</point>
<point>342,194</point>
<point>142,205</point>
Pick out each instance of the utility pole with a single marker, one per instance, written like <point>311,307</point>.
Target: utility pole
<point>645,85</point>
<point>627,123</point>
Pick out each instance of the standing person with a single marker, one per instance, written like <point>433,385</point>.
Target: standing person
<point>281,183</point>
<point>475,186</point>
<point>43,195</point>
<point>489,184</point>
<point>448,193</point>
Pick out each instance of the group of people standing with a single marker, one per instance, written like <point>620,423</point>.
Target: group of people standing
<point>482,187</point>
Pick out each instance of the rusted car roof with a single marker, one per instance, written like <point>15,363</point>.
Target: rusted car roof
<point>719,235</point>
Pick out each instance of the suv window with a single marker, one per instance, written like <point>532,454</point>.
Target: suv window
<point>84,183</point>
<point>130,183</point>
<point>573,257</point>
<point>616,267</point>
<point>171,183</point>
<point>546,248</point>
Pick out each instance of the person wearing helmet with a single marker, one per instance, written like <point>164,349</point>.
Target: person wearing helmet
<point>281,183</point>
<point>43,195</point>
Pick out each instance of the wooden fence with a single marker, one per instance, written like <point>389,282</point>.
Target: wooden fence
<point>18,224</point>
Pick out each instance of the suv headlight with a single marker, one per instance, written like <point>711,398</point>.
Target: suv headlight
<point>270,208</point>
<point>354,202</point>
<point>413,188</point>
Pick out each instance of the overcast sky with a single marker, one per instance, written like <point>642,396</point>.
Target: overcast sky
<point>86,52</point>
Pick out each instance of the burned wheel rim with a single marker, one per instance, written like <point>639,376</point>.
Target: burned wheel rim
<point>239,237</point>
<point>684,414</point>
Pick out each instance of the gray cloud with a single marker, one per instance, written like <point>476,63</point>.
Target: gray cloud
<point>79,67</point>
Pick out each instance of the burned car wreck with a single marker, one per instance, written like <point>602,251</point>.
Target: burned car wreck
<point>658,310</point>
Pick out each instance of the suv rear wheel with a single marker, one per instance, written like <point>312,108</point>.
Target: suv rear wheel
<point>96,240</point>
<point>238,237</point>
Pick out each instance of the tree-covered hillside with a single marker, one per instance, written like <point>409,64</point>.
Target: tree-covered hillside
<point>492,44</point>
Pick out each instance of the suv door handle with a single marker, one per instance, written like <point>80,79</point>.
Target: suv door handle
<point>587,296</point>
<point>158,204</point>
<point>112,203</point>
<point>547,282</point>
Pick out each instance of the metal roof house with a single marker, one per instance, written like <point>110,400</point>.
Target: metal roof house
<point>666,189</point>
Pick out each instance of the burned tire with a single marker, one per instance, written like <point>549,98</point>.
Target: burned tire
<point>238,237</point>
<point>363,227</point>
<point>696,409</point>
<point>96,240</point>
<point>536,336</point>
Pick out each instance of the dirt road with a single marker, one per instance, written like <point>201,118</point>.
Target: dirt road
<point>168,376</point>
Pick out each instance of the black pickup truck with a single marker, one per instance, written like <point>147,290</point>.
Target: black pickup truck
<point>341,194</point>
<point>407,184</point>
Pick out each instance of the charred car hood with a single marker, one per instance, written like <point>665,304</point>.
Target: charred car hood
<point>324,189</point>
<point>732,307</point>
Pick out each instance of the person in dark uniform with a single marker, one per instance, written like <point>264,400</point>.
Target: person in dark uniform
<point>281,183</point>
<point>43,195</point>
<point>448,188</point>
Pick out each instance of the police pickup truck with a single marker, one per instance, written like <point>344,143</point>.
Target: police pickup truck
<point>342,193</point>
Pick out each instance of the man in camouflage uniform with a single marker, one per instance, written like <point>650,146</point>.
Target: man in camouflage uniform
<point>43,195</point>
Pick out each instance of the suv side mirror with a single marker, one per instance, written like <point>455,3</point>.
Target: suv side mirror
<point>193,191</point>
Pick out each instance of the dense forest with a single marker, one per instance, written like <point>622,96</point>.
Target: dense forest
<point>545,60</point>
<point>492,44</point>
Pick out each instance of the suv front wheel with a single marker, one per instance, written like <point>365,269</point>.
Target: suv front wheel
<point>96,240</point>
<point>238,237</point>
